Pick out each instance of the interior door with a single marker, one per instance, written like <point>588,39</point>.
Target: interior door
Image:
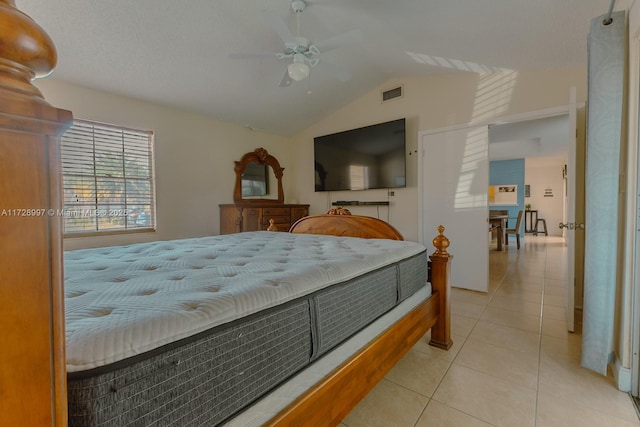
<point>453,185</point>
<point>570,236</point>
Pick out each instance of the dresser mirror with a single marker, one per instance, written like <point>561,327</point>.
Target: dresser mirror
<point>255,180</point>
<point>252,177</point>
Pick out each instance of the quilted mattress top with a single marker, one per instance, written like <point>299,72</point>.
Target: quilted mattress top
<point>126,300</point>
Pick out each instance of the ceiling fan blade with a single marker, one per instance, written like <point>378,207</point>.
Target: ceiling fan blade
<point>278,25</point>
<point>350,37</point>
<point>334,71</point>
<point>251,55</point>
<point>286,79</point>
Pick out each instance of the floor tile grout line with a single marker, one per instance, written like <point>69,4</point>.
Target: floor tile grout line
<point>587,407</point>
<point>463,412</point>
<point>429,398</point>
<point>466,338</point>
<point>513,264</point>
<point>535,408</point>
<point>442,379</point>
<point>510,267</point>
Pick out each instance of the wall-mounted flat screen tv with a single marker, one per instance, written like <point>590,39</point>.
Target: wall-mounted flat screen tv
<point>361,159</point>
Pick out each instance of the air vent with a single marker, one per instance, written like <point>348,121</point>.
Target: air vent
<point>390,94</point>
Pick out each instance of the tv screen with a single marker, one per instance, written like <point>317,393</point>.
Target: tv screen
<point>361,159</point>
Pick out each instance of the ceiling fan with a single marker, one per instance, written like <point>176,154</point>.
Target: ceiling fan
<point>302,54</point>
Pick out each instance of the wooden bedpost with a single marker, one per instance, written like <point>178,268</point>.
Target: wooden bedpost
<point>32,359</point>
<point>440,274</point>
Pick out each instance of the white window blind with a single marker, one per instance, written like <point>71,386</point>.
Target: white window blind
<point>108,179</point>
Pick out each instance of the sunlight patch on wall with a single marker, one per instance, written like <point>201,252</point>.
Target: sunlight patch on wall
<point>495,84</point>
<point>470,193</point>
<point>493,95</point>
<point>438,61</point>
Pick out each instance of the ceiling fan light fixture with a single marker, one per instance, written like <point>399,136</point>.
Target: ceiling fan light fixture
<point>298,69</point>
<point>298,5</point>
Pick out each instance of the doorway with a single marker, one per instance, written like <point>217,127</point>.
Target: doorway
<point>521,136</point>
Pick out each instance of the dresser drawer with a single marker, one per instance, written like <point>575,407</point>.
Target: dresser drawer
<point>253,216</point>
<point>282,227</point>
<point>251,220</point>
<point>278,219</point>
<point>297,213</point>
<point>277,212</point>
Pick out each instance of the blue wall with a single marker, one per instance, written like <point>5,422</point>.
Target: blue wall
<point>509,172</point>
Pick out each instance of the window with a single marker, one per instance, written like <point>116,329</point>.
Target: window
<point>108,179</point>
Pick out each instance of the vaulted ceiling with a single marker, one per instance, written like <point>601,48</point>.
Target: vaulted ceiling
<point>176,53</point>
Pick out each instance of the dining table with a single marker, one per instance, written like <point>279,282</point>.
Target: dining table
<point>499,223</point>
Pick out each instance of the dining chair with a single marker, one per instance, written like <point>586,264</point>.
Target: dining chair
<point>515,230</point>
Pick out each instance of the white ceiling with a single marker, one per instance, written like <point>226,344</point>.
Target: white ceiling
<point>176,52</point>
<point>546,140</point>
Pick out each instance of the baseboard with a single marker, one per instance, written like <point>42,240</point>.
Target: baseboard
<point>622,376</point>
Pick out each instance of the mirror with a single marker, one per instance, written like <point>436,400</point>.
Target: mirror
<point>254,164</point>
<point>255,180</point>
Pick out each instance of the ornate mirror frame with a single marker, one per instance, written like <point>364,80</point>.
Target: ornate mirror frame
<point>261,157</point>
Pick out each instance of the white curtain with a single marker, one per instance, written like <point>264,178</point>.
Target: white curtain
<point>605,118</point>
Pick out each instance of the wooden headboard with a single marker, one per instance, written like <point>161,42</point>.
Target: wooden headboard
<point>346,225</point>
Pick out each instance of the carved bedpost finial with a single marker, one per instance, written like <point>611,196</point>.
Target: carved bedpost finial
<point>26,51</point>
<point>338,211</point>
<point>272,225</point>
<point>440,283</point>
<point>441,242</point>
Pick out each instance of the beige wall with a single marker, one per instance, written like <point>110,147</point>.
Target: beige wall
<point>194,154</point>
<point>429,103</point>
<point>540,176</point>
<point>194,158</point>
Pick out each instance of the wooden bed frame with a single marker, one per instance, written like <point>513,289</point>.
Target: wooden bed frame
<point>31,297</point>
<point>337,394</point>
<point>33,390</point>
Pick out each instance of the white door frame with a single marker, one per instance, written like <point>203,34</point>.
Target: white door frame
<point>631,273</point>
<point>570,211</point>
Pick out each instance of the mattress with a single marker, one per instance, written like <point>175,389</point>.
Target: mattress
<point>160,332</point>
<point>278,399</point>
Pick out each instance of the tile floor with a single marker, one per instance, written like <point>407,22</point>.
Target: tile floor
<point>512,363</point>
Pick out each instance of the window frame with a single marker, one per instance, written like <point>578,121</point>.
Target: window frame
<point>99,209</point>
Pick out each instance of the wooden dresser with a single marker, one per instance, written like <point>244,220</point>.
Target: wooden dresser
<point>239,217</point>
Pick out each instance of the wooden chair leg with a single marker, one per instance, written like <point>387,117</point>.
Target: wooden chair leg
<point>518,240</point>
